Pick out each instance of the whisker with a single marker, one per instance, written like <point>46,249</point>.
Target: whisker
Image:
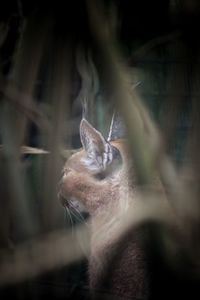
<point>67,214</point>
<point>77,215</point>
<point>82,218</point>
<point>70,219</point>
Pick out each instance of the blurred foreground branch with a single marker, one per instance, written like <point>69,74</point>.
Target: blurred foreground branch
<point>25,104</point>
<point>59,248</point>
<point>37,256</point>
<point>144,138</point>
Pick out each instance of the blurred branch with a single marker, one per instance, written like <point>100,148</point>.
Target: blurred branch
<point>144,138</point>
<point>20,8</point>
<point>26,104</point>
<point>3,33</point>
<point>118,77</point>
<point>144,49</point>
<point>37,256</point>
<point>59,248</point>
<point>89,83</point>
<point>26,65</point>
<point>58,94</point>
<point>24,70</point>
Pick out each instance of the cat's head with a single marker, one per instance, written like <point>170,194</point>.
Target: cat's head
<point>89,175</point>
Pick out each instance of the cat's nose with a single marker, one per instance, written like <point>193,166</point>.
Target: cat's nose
<point>60,194</point>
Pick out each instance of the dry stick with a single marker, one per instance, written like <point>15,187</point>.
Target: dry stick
<point>28,150</point>
<point>65,153</point>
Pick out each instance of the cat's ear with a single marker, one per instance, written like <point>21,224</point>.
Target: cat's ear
<point>117,128</point>
<point>99,152</point>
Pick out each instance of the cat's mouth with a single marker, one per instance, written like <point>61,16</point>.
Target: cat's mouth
<point>76,205</point>
<point>63,200</point>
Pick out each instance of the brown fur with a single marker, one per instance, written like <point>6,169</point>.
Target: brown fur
<point>117,265</point>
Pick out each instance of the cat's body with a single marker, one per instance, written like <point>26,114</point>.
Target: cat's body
<point>100,180</point>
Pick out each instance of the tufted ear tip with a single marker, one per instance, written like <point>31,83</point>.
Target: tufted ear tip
<point>117,128</point>
<point>84,102</point>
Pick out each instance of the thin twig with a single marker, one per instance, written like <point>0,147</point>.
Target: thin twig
<point>33,150</point>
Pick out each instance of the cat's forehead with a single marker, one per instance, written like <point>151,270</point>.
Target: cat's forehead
<point>75,156</point>
<point>74,161</point>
